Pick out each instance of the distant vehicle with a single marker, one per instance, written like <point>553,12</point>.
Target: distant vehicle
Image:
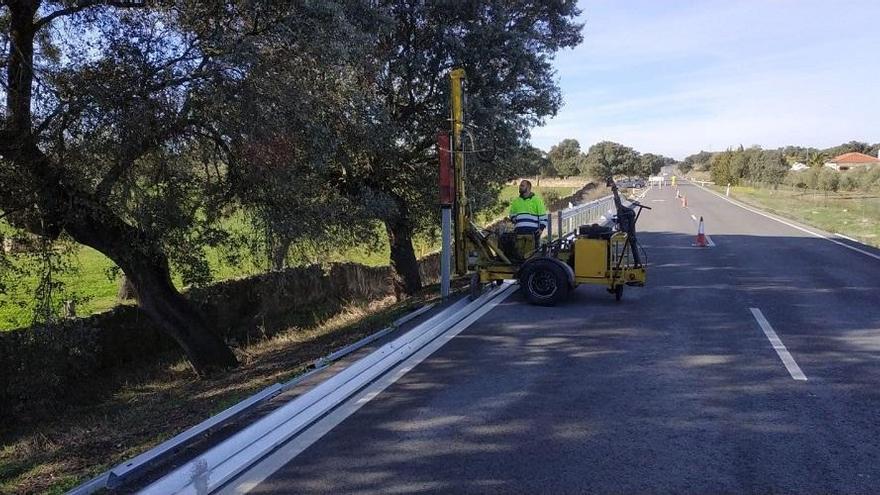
<point>625,183</point>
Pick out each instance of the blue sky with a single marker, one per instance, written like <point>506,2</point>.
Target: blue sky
<point>675,76</point>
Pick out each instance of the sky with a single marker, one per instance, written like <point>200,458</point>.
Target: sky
<point>676,77</point>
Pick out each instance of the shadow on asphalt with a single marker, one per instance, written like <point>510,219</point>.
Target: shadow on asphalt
<point>674,389</point>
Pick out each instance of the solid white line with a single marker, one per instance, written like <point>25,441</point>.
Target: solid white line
<point>838,234</point>
<point>771,217</point>
<point>793,369</point>
<point>251,478</point>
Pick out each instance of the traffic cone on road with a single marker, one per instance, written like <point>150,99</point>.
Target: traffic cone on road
<point>701,236</point>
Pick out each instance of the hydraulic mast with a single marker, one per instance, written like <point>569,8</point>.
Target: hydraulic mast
<point>457,117</point>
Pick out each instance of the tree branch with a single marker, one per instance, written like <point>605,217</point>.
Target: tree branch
<point>83,5</point>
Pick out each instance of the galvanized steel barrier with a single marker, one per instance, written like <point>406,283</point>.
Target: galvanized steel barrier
<point>596,211</point>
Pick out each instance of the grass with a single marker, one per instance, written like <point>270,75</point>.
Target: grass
<point>135,409</point>
<point>94,284</point>
<point>855,214</point>
<point>509,192</point>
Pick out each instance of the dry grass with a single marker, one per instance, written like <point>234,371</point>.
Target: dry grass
<point>53,452</point>
<point>554,181</point>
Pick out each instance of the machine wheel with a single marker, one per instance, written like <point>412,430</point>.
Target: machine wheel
<point>544,283</point>
<point>618,293</point>
<point>475,289</point>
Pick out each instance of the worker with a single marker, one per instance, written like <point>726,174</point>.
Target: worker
<point>527,211</point>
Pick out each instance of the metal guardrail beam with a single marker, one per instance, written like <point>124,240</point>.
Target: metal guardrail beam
<point>229,458</point>
<point>136,466</point>
<point>569,219</point>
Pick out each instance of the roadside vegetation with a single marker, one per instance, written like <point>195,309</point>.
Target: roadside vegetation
<point>92,281</point>
<point>852,214</point>
<point>845,202</point>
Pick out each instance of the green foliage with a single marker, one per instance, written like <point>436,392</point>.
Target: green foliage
<point>829,180</point>
<point>531,161</point>
<point>505,48</point>
<point>651,164</point>
<point>566,158</point>
<point>721,169</point>
<point>753,165</point>
<point>606,159</point>
<point>852,146</point>
<point>698,161</point>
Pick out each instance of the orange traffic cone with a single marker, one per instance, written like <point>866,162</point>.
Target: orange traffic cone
<point>701,236</point>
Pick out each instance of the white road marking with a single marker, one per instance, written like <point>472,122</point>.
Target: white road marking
<point>771,217</point>
<point>258,473</point>
<point>838,234</point>
<point>793,369</point>
<point>693,217</point>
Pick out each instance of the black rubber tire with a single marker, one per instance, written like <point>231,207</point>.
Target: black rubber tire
<point>618,293</point>
<point>475,289</point>
<point>544,283</point>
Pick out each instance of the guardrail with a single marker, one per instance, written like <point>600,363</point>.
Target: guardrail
<point>133,468</point>
<point>569,219</point>
<point>220,464</point>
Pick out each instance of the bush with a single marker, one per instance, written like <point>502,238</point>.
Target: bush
<point>849,182</point>
<point>829,180</point>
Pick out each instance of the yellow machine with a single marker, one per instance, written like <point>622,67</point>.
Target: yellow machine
<point>547,271</point>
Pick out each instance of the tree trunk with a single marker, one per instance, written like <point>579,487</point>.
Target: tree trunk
<point>126,291</point>
<point>279,253</point>
<point>146,266</point>
<point>158,298</point>
<point>404,265</point>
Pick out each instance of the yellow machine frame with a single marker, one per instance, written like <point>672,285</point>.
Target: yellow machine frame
<point>607,261</point>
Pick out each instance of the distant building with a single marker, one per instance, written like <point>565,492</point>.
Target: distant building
<point>849,161</point>
<point>798,166</point>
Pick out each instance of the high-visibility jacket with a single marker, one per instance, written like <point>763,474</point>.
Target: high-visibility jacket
<point>529,213</point>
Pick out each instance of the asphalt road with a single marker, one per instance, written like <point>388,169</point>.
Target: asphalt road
<point>675,389</point>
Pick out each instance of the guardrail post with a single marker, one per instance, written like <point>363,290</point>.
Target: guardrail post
<point>559,223</point>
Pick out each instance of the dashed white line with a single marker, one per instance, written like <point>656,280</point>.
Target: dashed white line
<point>793,369</point>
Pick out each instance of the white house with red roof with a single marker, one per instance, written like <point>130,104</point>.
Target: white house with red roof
<point>849,161</point>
